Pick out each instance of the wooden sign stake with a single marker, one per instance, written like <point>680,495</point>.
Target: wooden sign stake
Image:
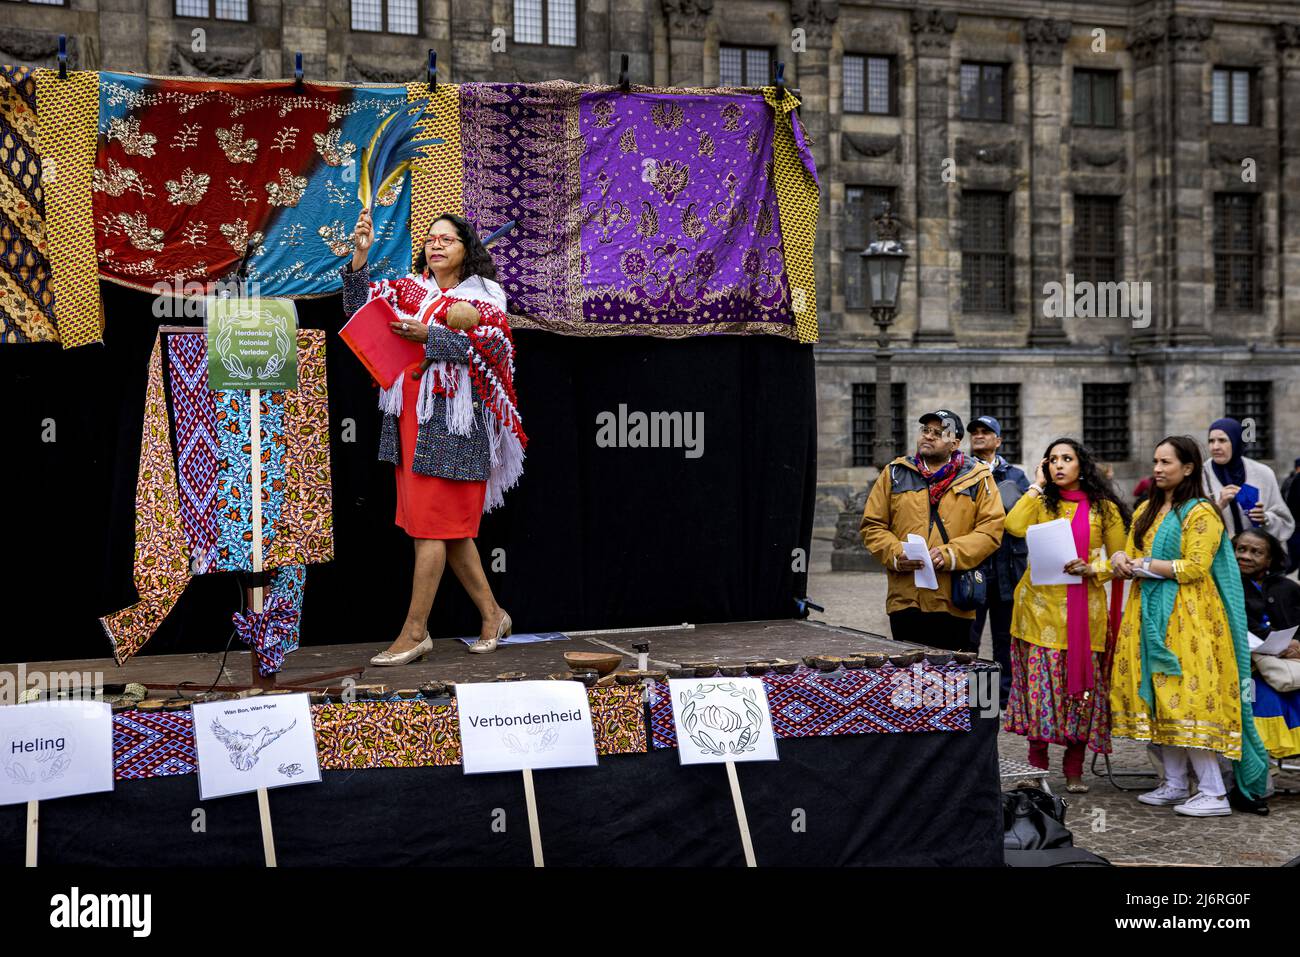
<point>741,819</point>
<point>268,838</point>
<point>534,832</point>
<point>33,824</point>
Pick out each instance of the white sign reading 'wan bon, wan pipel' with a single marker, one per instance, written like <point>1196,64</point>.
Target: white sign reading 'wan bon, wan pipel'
<point>518,725</point>
<point>54,749</point>
<point>251,743</point>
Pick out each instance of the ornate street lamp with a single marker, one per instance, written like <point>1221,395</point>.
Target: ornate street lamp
<point>884,261</point>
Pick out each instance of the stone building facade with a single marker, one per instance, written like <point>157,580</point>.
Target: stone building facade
<point>1020,142</point>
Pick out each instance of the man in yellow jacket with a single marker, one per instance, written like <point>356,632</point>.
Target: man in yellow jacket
<point>952,502</point>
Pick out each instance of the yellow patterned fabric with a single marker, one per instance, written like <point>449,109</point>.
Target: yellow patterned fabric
<point>26,296</point>
<point>798,196</point>
<point>436,186</point>
<point>68,112</point>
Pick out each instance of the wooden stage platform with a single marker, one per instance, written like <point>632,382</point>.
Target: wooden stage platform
<point>450,661</point>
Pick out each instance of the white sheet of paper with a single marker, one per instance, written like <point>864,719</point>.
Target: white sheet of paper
<point>52,749</point>
<point>918,550</point>
<point>722,719</point>
<point>1051,548</point>
<point>1274,644</point>
<point>265,741</point>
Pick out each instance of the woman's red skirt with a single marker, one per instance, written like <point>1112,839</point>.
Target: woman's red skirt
<point>428,506</point>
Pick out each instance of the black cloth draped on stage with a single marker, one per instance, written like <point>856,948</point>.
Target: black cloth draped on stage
<point>908,799</point>
<point>591,538</point>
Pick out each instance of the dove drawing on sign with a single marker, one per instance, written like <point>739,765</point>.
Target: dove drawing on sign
<point>244,748</point>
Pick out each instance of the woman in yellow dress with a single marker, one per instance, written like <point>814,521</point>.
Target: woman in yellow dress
<point>1059,685</point>
<point>1181,658</point>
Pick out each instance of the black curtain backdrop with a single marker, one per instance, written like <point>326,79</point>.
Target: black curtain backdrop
<point>591,538</point>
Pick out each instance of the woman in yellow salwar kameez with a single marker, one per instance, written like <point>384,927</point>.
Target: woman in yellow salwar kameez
<point>1181,651</point>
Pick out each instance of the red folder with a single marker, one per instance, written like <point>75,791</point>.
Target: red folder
<point>384,353</point>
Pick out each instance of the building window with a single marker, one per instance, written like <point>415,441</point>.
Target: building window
<point>985,251</point>
<point>1236,253</point>
<point>864,421</point>
<point>744,66</point>
<point>983,91</point>
<point>1095,97</point>
<point>1002,401</point>
<point>1105,420</point>
<point>861,205</point>
<point>1231,97</point>
<point>385,16</point>
<point>869,84</point>
<point>1096,238</point>
<point>206,9</point>
<point>1251,404</point>
<point>550,22</point>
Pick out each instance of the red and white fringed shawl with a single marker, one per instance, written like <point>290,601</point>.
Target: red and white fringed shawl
<point>490,366</point>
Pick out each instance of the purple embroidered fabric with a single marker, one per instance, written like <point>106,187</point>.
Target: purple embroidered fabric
<point>633,211</point>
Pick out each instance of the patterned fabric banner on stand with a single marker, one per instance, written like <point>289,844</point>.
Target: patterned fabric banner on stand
<point>866,701</point>
<point>177,533</point>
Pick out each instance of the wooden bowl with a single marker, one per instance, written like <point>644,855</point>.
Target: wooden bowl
<point>603,662</point>
<point>706,670</point>
<point>938,657</point>
<point>681,671</point>
<point>854,662</point>
<point>784,667</point>
<point>874,660</point>
<point>827,663</point>
<point>731,669</point>
<point>810,661</point>
<point>631,677</point>
<point>654,674</point>
<point>900,660</point>
<point>587,676</point>
<point>963,657</point>
<point>512,676</point>
<point>757,668</point>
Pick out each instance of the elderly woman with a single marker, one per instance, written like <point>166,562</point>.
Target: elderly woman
<point>1229,471</point>
<point>1272,604</point>
<point>451,426</point>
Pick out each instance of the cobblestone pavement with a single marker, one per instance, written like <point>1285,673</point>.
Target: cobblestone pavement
<point>1106,820</point>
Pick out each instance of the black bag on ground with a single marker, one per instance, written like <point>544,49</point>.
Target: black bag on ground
<point>1033,820</point>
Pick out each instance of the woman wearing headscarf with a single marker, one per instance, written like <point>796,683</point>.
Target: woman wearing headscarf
<point>1182,647</point>
<point>1229,471</point>
<point>1059,685</point>
<point>1272,604</point>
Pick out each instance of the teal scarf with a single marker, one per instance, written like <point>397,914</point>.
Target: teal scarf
<point>1157,606</point>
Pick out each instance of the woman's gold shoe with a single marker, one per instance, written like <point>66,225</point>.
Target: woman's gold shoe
<point>385,658</point>
<point>486,645</point>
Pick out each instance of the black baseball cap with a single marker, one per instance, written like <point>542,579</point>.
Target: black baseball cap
<point>949,419</point>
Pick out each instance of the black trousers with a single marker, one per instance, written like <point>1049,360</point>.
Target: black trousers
<point>999,612</point>
<point>934,629</point>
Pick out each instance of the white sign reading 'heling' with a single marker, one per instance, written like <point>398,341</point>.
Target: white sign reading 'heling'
<point>52,749</point>
<point>251,743</point>
<point>512,726</point>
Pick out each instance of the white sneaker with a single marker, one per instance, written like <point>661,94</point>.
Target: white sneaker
<point>1205,805</point>
<point>1163,796</point>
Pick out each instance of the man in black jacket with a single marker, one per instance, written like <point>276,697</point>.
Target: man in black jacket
<point>1002,569</point>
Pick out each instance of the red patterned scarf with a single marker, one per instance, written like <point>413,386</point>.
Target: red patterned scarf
<point>942,477</point>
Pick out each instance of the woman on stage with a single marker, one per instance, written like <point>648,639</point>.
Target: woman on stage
<point>1181,655</point>
<point>451,426</point>
<point>1059,684</point>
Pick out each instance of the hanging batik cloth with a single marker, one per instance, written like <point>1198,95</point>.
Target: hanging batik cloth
<point>192,175</point>
<point>194,491</point>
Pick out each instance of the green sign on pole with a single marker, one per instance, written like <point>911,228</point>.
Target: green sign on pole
<point>252,344</point>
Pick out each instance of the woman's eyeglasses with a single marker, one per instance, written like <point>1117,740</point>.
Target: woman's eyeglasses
<point>438,242</point>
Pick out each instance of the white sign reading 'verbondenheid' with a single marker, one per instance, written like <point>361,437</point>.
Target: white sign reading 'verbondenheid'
<point>52,749</point>
<point>251,743</point>
<point>510,726</point>
<point>722,719</point>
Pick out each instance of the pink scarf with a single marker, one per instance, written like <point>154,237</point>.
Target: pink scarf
<point>1078,633</point>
